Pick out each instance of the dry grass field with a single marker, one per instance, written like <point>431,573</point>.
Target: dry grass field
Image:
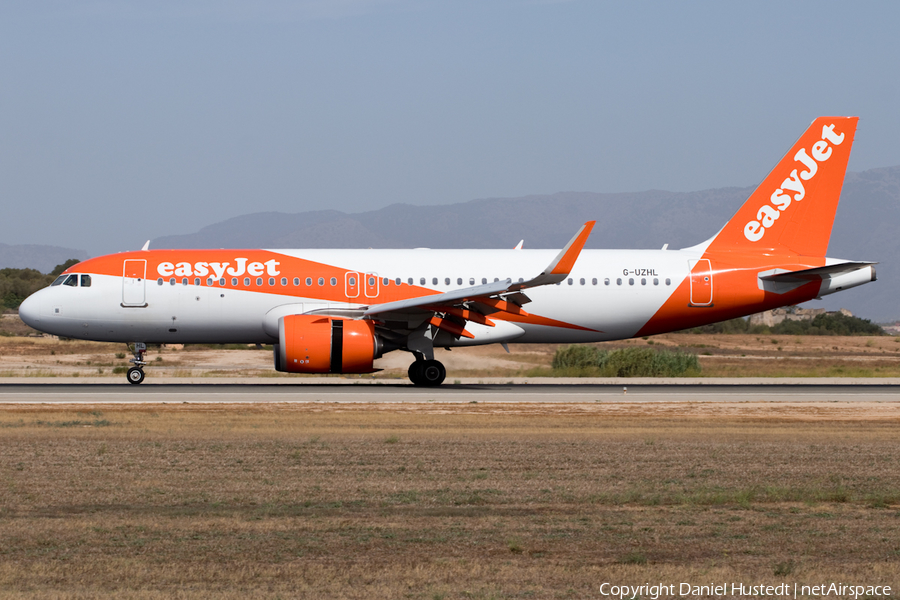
<point>443,501</point>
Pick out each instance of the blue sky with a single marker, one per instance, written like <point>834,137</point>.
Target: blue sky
<point>123,121</point>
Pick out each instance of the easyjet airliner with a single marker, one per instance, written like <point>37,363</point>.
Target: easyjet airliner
<point>336,311</point>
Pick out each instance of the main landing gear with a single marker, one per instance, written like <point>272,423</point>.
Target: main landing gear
<point>135,374</point>
<point>427,373</point>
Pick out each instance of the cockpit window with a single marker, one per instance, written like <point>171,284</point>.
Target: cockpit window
<point>59,280</point>
<point>71,280</point>
<point>85,281</point>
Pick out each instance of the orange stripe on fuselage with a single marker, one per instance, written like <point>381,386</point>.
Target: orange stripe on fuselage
<point>287,267</point>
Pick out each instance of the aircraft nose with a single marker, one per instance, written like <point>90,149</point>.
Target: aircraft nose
<point>30,311</point>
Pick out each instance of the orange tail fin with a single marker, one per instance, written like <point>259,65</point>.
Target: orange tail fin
<point>792,210</point>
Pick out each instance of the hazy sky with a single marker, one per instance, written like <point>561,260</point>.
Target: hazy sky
<point>123,121</point>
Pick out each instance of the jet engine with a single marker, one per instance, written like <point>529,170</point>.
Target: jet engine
<point>322,344</point>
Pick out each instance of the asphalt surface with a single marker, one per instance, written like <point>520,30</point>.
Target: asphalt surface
<point>67,393</point>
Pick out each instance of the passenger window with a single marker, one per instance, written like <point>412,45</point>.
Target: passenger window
<point>158,282</point>
<point>471,281</point>
<point>309,281</point>
<point>209,281</point>
<point>184,281</point>
<point>398,281</point>
<point>594,281</point>
<point>458,281</point>
<point>483,280</point>
<point>385,281</point>
<point>352,281</point>
<point>496,279</point>
<point>521,280</point>
<point>85,281</point>
<point>655,281</point>
<point>643,281</point>
<point>234,281</point>
<point>259,281</point>
<point>446,281</point>
<point>371,282</point>
<point>321,281</point>
<point>619,281</point>
<point>581,281</point>
<point>606,281</point>
<point>222,281</point>
<point>197,281</point>
<point>247,281</point>
<point>570,281</point>
<point>421,281</point>
<point>668,281</point>
<point>631,281</point>
<point>296,281</point>
<point>434,281</point>
<point>172,281</point>
<point>333,281</point>
<point>284,281</point>
<point>271,281</point>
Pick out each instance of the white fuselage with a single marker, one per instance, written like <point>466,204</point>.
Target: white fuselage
<point>611,294</point>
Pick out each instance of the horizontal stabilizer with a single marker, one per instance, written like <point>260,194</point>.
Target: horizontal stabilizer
<point>817,273</point>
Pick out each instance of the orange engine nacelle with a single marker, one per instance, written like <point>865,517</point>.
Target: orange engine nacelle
<point>320,344</point>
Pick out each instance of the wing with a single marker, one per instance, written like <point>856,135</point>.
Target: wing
<point>451,310</point>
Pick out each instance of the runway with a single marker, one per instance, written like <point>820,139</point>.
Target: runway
<point>73,393</point>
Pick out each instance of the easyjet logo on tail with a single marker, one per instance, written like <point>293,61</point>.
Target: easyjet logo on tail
<point>781,199</point>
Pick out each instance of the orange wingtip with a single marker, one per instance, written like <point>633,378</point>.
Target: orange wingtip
<point>571,252</point>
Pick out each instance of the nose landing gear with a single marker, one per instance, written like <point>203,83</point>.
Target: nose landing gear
<point>427,373</point>
<point>135,374</point>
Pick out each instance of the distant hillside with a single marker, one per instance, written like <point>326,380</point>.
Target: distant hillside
<point>635,220</point>
<point>866,228</point>
<point>42,258</point>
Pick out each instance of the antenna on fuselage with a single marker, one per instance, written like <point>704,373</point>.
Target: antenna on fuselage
<point>146,245</point>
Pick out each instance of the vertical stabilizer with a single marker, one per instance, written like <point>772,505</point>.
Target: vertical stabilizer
<point>792,210</point>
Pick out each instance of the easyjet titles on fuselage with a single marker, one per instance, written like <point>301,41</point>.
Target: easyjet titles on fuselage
<point>767,215</point>
<point>219,270</point>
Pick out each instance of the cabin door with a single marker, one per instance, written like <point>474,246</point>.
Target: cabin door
<point>134,283</point>
<point>701,282</point>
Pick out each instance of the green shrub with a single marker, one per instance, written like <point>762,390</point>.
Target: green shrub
<point>577,357</point>
<point>833,324</point>
<point>18,284</point>
<point>590,361</point>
